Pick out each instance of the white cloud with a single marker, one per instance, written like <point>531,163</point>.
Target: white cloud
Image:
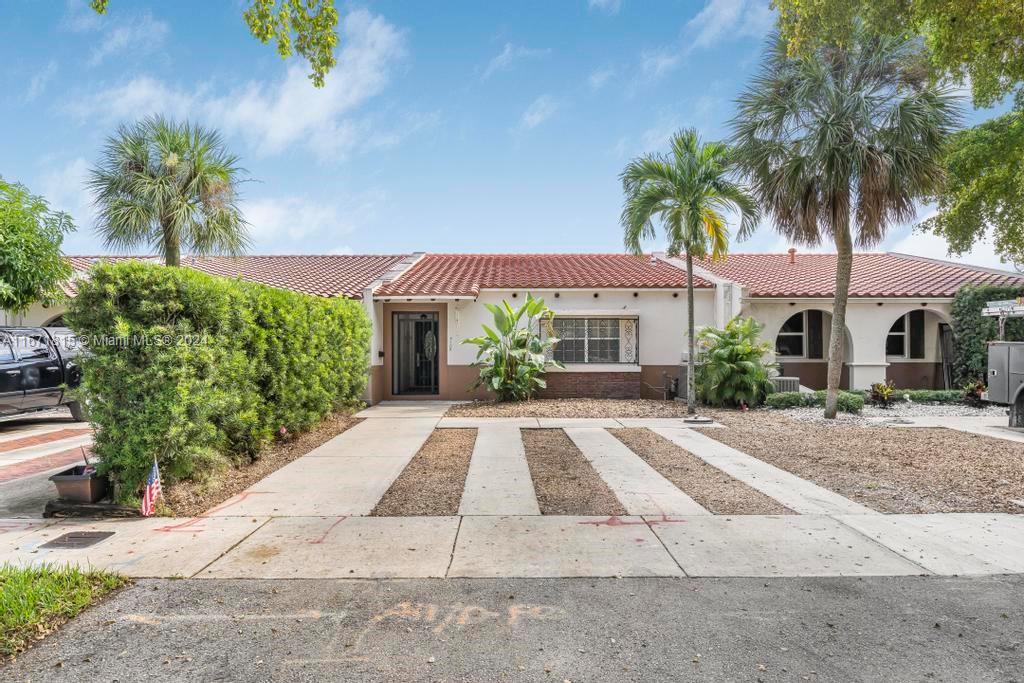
<point>272,117</point>
<point>729,20</point>
<point>607,6</point>
<point>933,246</point>
<point>508,57</point>
<point>282,222</point>
<point>138,35</point>
<point>37,84</point>
<point>599,78</point>
<point>656,63</point>
<point>539,111</point>
<point>64,188</point>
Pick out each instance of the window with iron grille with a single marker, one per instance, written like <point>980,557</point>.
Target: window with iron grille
<point>596,340</point>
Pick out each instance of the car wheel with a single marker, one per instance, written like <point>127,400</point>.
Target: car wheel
<point>78,411</point>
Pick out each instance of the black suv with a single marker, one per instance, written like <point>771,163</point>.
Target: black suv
<point>37,367</point>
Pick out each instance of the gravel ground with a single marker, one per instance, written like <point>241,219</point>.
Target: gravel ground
<point>565,482</point>
<point>889,469</point>
<point>570,407</point>
<point>708,485</point>
<point>872,416</point>
<point>188,499</point>
<point>432,482</point>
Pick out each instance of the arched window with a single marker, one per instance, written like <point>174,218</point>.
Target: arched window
<point>801,336</point>
<point>906,336</point>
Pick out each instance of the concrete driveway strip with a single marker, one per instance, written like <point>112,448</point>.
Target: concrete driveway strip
<point>784,545</point>
<point>345,476</point>
<point>996,428</point>
<point>799,495</point>
<point>559,546</point>
<point>342,547</point>
<point>153,547</point>
<point>637,485</point>
<point>499,482</point>
<point>950,544</point>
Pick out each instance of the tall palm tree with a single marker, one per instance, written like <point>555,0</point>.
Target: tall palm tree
<point>838,145</point>
<point>171,186</point>
<point>689,191</point>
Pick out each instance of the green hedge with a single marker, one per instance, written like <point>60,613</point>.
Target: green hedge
<point>200,371</point>
<point>973,331</point>
<point>929,395</point>
<point>849,402</point>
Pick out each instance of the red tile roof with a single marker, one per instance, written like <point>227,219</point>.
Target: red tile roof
<point>467,274</point>
<point>327,275</point>
<point>874,275</point>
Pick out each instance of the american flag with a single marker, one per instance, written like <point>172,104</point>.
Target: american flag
<point>152,491</point>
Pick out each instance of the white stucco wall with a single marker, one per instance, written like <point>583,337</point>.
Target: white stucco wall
<point>36,316</point>
<point>868,322</point>
<point>662,326</point>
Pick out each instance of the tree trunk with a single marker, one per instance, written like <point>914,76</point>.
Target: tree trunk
<point>172,248</point>
<point>691,364</point>
<point>836,342</point>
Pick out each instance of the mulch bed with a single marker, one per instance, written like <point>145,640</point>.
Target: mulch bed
<point>706,484</point>
<point>889,469</point>
<point>565,481</point>
<point>570,407</point>
<point>192,499</point>
<point>432,482</point>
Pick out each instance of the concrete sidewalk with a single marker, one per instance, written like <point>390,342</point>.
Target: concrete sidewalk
<point>534,546</point>
<point>993,427</point>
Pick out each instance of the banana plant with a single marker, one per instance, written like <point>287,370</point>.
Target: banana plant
<point>513,355</point>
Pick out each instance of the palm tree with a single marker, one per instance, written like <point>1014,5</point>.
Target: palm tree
<point>169,185</point>
<point>842,138</point>
<point>689,191</point>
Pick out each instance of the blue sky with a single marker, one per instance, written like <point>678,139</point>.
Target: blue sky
<point>455,126</point>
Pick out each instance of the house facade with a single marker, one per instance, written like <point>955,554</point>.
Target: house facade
<point>621,319</point>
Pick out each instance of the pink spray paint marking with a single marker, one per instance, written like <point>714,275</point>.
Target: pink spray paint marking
<point>329,530</point>
<point>186,525</point>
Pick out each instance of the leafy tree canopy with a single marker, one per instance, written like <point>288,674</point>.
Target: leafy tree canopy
<point>304,26</point>
<point>32,267</point>
<point>975,41</point>
<point>985,187</point>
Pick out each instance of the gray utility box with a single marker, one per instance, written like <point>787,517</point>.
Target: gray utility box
<point>1005,371</point>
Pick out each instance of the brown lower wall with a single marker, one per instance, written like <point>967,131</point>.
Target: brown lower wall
<point>459,381</point>
<point>591,385</point>
<point>813,375</point>
<point>915,375</point>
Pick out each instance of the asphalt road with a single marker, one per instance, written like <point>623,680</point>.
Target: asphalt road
<point>885,629</point>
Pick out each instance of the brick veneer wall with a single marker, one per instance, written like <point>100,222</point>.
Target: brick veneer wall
<point>592,385</point>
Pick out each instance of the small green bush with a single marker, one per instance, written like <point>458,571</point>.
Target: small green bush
<point>732,371</point>
<point>929,395</point>
<point>849,402</point>
<point>199,371</point>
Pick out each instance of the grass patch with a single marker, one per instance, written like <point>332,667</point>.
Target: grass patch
<point>36,600</point>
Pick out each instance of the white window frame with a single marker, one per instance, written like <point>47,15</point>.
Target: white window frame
<point>802,335</point>
<point>906,338</point>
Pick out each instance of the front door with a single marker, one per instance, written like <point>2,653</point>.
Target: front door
<point>414,354</point>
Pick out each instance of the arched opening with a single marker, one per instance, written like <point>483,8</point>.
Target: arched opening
<point>919,350</point>
<point>56,322</point>
<point>801,348</point>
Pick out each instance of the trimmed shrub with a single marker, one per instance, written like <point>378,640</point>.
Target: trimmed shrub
<point>198,371</point>
<point>849,402</point>
<point>972,330</point>
<point>929,395</point>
